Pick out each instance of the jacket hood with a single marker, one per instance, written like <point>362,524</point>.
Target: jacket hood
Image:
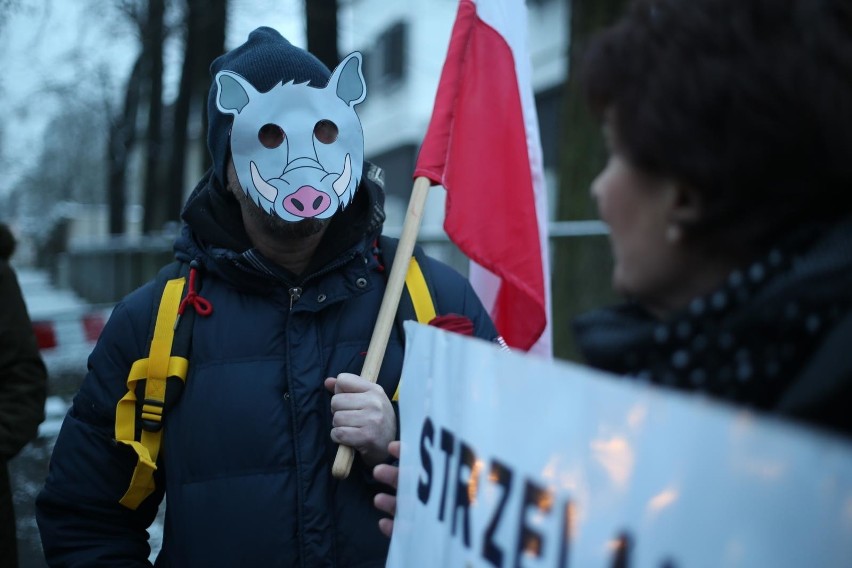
<point>214,233</point>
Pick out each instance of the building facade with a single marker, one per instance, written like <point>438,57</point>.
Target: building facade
<point>404,44</point>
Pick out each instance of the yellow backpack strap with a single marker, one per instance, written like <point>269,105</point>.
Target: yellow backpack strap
<point>154,371</point>
<point>415,283</point>
<point>421,298</point>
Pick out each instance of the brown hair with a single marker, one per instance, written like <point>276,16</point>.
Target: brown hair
<point>747,101</point>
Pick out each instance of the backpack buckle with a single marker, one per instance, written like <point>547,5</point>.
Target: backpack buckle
<point>152,415</point>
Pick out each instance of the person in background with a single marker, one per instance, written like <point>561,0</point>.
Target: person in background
<point>281,238</point>
<point>23,389</point>
<point>728,195</point>
<point>8,243</point>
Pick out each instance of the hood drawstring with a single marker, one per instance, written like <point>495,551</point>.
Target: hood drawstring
<point>200,304</point>
<point>377,251</point>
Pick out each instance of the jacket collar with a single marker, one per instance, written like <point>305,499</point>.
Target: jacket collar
<point>214,234</point>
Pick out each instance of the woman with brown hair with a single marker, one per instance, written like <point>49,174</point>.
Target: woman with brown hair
<point>728,194</point>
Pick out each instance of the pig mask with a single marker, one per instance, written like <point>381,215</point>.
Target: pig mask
<point>298,150</point>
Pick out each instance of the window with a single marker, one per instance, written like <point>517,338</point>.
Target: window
<point>384,64</point>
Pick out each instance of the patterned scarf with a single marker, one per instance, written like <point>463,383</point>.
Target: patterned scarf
<point>744,342</point>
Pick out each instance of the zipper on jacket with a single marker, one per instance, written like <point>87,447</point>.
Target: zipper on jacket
<point>295,294</point>
<point>296,291</point>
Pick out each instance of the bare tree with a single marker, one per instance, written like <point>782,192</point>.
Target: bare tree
<point>65,174</point>
<point>205,23</point>
<point>142,97</point>
<point>7,8</point>
<point>72,171</point>
<point>582,265</point>
<point>153,36</point>
<point>122,136</point>
<point>321,19</point>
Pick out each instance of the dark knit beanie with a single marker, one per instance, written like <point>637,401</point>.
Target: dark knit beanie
<point>265,60</point>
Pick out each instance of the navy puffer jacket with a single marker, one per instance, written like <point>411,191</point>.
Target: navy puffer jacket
<point>246,458</point>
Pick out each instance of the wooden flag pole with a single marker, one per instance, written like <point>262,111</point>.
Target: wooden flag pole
<point>390,302</point>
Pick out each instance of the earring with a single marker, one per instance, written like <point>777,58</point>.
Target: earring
<point>674,233</point>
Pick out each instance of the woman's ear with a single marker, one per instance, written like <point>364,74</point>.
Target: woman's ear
<point>684,205</point>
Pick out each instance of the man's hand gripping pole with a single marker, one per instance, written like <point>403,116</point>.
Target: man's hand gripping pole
<point>390,302</point>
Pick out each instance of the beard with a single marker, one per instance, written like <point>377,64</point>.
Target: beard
<point>270,223</point>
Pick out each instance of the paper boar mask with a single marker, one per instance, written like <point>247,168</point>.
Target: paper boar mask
<point>298,150</point>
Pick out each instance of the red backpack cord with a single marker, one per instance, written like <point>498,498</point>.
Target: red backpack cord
<point>201,305</point>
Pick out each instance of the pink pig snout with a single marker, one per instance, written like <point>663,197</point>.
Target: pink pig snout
<point>306,202</point>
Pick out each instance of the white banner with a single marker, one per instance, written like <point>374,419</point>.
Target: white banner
<point>510,460</point>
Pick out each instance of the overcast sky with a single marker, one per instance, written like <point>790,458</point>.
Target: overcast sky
<point>50,44</point>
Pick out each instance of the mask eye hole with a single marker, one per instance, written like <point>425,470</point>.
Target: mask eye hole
<point>270,135</point>
<point>325,131</point>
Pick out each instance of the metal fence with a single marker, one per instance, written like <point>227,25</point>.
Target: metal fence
<point>106,270</point>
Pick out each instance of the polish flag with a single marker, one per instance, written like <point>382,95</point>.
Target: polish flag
<point>483,146</point>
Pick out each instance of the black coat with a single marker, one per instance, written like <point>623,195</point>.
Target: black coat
<point>23,387</point>
<point>246,456</point>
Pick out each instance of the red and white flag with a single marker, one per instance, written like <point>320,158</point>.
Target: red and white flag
<point>483,146</point>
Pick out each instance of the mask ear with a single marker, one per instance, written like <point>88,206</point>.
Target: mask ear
<point>233,92</point>
<point>348,80</point>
